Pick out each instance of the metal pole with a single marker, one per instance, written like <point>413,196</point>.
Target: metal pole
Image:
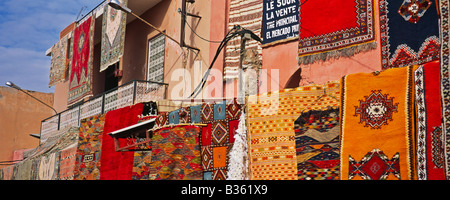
<point>183,22</point>
<point>134,91</point>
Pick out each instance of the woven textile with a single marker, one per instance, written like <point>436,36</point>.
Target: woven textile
<point>59,61</point>
<point>377,127</point>
<point>217,138</point>
<point>271,119</point>
<point>430,140</point>
<point>42,163</point>
<point>409,32</point>
<point>317,144</point>
<point>176,153</point>
<point>25,170</point>
<point>141,165</point>
<point>142,159</point>
<point>62,139</point>
<point>118,165</point>
<point>331,29</point>
<point>8,172</point>
<point>247,14</point>
<point>80,79</point>
<point>87,164</point>
<point>48,167</point>
<point>445,78</point>
<point>67,162</point>
<point>113,35</point>
<point>271,135</point>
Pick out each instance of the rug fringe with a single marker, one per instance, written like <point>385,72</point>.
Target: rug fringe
<point>346,52</point>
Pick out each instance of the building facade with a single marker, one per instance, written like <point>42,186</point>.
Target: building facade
<point>21,116</point>
<point>295,50</point>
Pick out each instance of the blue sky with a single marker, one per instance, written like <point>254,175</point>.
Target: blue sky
<point>27,29</point>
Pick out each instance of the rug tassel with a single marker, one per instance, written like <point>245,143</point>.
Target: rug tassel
<point>347,52</point>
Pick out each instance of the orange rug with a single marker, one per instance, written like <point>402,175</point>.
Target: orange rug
<point>377,129</point>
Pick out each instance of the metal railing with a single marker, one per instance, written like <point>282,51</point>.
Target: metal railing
<point>128,94</point>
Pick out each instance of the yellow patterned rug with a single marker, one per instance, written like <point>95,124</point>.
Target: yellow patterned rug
<point>271,119</point>
<point>377,127</point>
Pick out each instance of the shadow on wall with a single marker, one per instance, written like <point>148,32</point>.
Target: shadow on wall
<point>294,80</point>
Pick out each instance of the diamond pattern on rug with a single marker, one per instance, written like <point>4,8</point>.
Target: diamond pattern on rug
<point>207,112</point>
<point>220,133</point>
<point>375,166</point>
<point>207,161</point>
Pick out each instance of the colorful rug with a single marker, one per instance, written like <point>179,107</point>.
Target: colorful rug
<point>113,35</point>
<point>377,126</point>
<point>271,136</point>
<point>87,165</point>
<point>141,165</point>
<point>67,162</point>
<point>217,138</point>
<point>59,61</point>
<point>430,140</point>
<point>118,165</point>
<point>247,14</point>
<point>317,144</point>
<point>222,120</point>
<point>80,79</point>
<point>332,29</point>
<point>445,78</point>
<point>271,132</point>
<point>176,153</point>
<point>409,32</point>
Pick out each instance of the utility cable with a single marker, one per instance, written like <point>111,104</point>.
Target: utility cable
<point>237,30</point>
<point>185,21</point>
<point>228,37</point>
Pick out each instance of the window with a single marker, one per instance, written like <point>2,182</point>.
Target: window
<point>155,65</point>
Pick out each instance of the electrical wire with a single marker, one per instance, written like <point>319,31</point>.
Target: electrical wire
<point>184,16</point>
<point>237,30</point>
<point>201,36</point>
<point>227,38</point>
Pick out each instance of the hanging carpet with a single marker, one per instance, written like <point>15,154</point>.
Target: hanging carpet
<point>430,140</point>
<point>59,61</point>
<point>80,79</point>
<point>377,126</point>
<point>118,165</point>
<point>271,117</point>
<point>113,35</point>
<point>176,153</point>
<point>247,14</point>
<point>409,32</point>
<point>87,164</point>
<point>333,29</point>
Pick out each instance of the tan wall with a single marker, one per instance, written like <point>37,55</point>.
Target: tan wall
<point>20,115</point>
<point>61,95</point>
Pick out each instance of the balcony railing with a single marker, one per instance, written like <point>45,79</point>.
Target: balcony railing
<point>125,95</point>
